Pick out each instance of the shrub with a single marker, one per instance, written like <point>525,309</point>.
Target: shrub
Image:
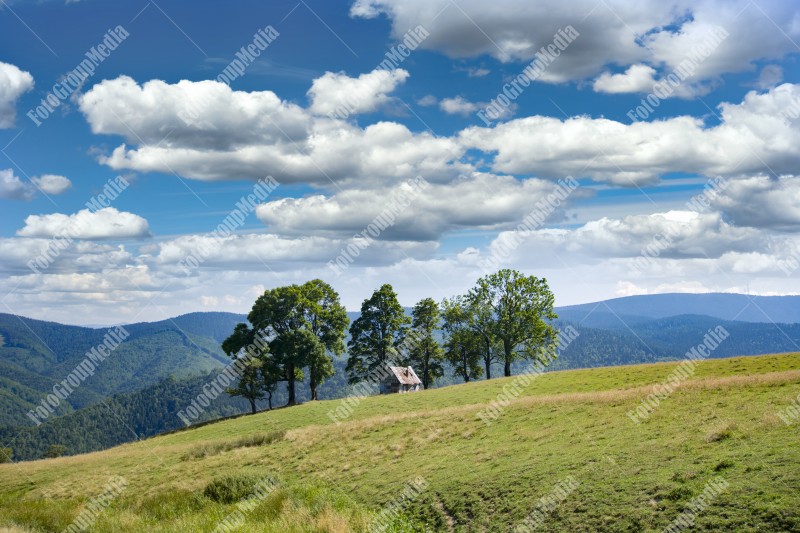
<point>55,450</point>
<point>230,489</point>
<point>6,455</point>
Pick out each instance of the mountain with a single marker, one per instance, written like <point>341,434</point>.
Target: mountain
<point>36,355</point>
<point>630,309</point>
<point>137,390</point>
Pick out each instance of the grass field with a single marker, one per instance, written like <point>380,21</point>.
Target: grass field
<point>563,454</point>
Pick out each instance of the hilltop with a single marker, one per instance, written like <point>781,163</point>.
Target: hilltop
<point>566,437</point>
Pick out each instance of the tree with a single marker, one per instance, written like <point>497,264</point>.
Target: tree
<point>425,353</point>
<point>55,450</point>
<point>305,324</point>
<point>6,455</point>
<point>277,315</point>
<point>514,309</point>
<point>251,383</point>
<point>327,319</point>
<point>463,347</point>
<point>462,314</point>
<point>377,335</point>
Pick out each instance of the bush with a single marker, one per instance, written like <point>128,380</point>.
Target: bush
<point>6,455</point>
<point>55,450</point>
<point>230,489</point>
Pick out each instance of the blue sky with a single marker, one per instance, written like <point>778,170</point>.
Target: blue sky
<point>625,229</point>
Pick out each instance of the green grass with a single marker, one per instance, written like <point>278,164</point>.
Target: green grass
<point>566,425</point>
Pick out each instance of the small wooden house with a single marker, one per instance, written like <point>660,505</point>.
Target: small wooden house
<point>401,379</point>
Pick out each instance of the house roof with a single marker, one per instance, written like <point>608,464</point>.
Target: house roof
<point>406,375</point>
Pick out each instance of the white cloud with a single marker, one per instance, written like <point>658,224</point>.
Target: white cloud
<point>638,78</point>
<point>250,135</point>
<point>614,32</point>
<point>52,183</point>
<point>480,201</point>
<point>427,100</point>
<point>770,76</point>
<point>761,202</point>
<point>13,84</point>
<point>13,188</point>
<point>458,106</point>
<point>106,223</point>
<point>337,93</point>
<point>752,135</point>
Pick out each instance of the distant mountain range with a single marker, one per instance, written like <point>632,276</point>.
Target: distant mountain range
<point>632,309</point>
<point>162,365</point>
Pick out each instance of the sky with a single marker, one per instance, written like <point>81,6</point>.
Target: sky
<point>159,158</point>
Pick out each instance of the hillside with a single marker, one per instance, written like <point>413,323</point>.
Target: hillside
<point>36,355</point>
<point>631,309</point>
<point>563,453</point>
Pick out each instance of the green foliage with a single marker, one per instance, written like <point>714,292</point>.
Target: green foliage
<point>55,450</point>
<point>6,455</point>
<point>425,354</point>
<point>230,489</point>
<point>377,335</point>
<point>464,346</point>
<point>516,310</point>
<point>304,324</point>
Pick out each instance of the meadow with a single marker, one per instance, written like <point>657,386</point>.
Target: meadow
<point>567,428</point>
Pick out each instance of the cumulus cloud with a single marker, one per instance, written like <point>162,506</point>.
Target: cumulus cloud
<point>480,201</point>
<point>106,223</point>
<point>52,183</point>
<point>337,93</point>
<point>13,84</point>
<point>761,202</point>
<point>13,188</point>
<point>250,135</point>
<point>759,131</point>
<point>638,78</point>
<point>614,32</point>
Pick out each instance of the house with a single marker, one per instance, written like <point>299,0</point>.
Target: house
<point>400,379</point>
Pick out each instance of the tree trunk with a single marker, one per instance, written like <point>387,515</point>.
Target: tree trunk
<point>507,367</point>
<point>464,370</point>
<point>488,363</point>
<point>290,384</point>
<point>269,399</point>
<point>313,383</point>
<point>252,405</point>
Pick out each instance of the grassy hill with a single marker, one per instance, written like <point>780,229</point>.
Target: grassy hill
<point>564,450</point>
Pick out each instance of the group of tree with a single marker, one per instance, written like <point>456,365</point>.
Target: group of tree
<point>505,317</point>
<point>292,329</point>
